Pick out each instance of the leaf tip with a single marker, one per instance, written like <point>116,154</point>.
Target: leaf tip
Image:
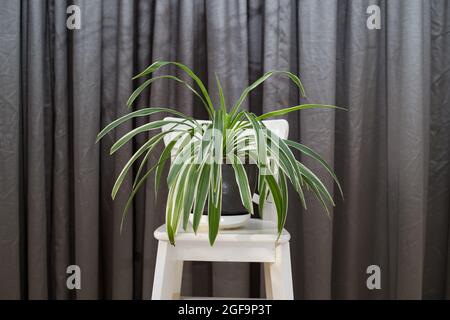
<point>121,222</point>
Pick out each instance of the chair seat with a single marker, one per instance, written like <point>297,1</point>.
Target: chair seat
<point>255,231</point>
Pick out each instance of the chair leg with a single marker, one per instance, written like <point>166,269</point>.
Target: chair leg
<point>268,281</point>
<point>278,275</point>
<point>168,273</point>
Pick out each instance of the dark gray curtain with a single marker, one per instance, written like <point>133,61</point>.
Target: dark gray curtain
<point>391,150</point>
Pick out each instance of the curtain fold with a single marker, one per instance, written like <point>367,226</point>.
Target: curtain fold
<point>12,272</point>
<point>360,234</point>
<point>437,264</point>
<point>317,41</point>
<point>62,200</point>
<point>35,68</point>
<point>390,150</point>
<point>408,98</point>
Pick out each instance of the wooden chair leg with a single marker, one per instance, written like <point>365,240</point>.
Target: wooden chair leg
<point>268,281</point>
<point>278,275</point>
<point>168,273</point>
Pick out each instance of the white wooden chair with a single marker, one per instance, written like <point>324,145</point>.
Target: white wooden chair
<point>256,242</point>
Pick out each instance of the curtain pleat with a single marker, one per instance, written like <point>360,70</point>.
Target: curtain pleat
<point>87,98</point>
<point>390,149</point>
<point>408,99</point>
<point>62,195</point>
<point>360,220</point>
<point>36,107</point>
<point>317,42</point>
<point>437,258</point>
<point>12,271</point>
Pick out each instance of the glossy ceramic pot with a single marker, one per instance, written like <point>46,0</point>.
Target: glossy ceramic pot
<point>234,214</point>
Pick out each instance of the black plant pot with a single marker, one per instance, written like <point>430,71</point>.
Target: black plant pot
<point>231,199</point>
<point>233,214</point>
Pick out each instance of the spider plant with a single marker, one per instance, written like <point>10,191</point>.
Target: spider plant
<point>195,175</point>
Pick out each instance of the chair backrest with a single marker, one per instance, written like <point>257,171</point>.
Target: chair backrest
<point>280,127</point>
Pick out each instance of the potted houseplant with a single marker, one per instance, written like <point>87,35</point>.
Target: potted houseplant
<point>234,150</point>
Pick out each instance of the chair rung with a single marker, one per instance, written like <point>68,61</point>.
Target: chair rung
<point>225,251</point>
